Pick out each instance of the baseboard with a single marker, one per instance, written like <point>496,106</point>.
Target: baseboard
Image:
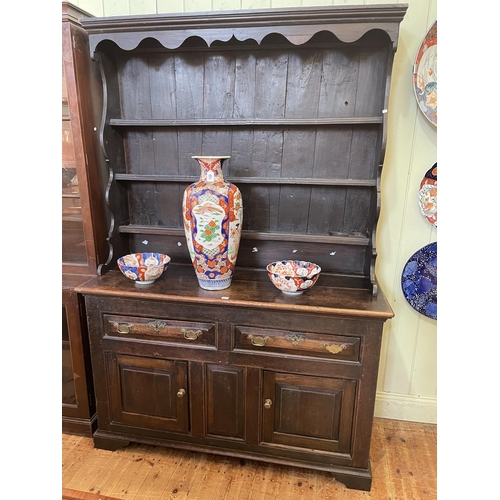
<point>405,407</point>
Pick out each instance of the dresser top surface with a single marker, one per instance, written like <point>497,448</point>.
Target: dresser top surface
<point>250,289</point>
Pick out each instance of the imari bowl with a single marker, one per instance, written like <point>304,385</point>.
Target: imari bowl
<point>143,268</point>
<point>293,276</point>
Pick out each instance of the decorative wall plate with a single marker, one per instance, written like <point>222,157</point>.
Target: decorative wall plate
<point>427,195</point>
<point>425,75</point>
<point>419,280</point>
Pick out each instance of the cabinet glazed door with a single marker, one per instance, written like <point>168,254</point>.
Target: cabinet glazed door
<point>148,393</point>
<point>308,412</point>
<point>77,390</point>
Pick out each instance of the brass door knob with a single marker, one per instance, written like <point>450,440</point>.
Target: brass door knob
<point>267,404</point>
<point>180,393</point>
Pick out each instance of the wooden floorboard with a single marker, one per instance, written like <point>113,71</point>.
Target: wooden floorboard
<point>403,460</point>
<point>68,494</point>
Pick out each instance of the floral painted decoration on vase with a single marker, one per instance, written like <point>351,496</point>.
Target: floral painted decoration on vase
<point>419,280</point>
<point>213,215</point>
<point>425,75</point>
<point>427,195</point>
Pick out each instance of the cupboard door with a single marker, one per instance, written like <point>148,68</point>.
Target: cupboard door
<point>148,393</point>
<point>225,401</point>
<point>308,412</point>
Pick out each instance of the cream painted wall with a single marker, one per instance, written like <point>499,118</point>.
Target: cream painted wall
<point>407,387</point>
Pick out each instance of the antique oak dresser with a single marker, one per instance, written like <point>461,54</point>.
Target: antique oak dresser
<point>298,98</point>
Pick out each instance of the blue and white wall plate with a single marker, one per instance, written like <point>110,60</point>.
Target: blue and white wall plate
<point>419,280</point>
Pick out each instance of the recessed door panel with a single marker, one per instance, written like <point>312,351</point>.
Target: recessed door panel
<point>225,401</point>
<point>308,412</point>
<point>150,393</point>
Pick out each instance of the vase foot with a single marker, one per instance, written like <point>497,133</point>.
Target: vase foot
<point>214,284</point>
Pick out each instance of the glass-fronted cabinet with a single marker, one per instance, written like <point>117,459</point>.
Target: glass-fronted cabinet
<point>84,223</point>
<point>68,380</point>
<point>73,242</point>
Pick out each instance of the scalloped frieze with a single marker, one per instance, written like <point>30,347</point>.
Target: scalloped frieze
<point>173,40</point>
<point>347,23</point>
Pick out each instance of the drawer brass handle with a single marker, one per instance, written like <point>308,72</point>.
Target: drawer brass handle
<point>295,339</point>
<point>335,348</point>
<point>267,404</point>
<point>191,334</point>
<point>157,325</point>
<point>180,393</point>
<point>258,341</point>
<point>123,328</point>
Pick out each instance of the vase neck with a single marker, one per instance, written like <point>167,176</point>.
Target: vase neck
<point>211,169</point>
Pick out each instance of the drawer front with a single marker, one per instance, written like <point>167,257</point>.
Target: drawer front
<point>159,330</point>
<point>298,343</point>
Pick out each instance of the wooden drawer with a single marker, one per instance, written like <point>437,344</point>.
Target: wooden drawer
<point>297,343</point>
<point>160,330</point>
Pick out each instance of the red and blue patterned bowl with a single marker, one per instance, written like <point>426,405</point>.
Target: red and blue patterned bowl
<point>293,276</point>
<point>143,268</point>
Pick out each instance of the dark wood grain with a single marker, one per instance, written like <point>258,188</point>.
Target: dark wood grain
<point>309,181</point>
<point>158,407</point>
<point>347,22</point>
<point>179,284</point>
<point>310,412</point>
<point>313,398</point>
<point>226,400</point>
<point>283,114</point>
<point>245,122</point>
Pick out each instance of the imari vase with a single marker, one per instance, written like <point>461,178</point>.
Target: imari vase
<point>213,215</point>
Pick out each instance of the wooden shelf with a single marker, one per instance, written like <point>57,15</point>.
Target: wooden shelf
<point>306,181</point>
<point>228,122</point>
<point>358,240</point>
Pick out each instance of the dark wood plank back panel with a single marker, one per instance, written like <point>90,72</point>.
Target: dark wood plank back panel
<point>325,211</point>
<point>273,80</point>
<point>326,152</point>
<point>274,83</point>
<point>335,258</point>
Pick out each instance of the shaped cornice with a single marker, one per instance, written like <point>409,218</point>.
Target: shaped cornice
<point>348,23</point>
